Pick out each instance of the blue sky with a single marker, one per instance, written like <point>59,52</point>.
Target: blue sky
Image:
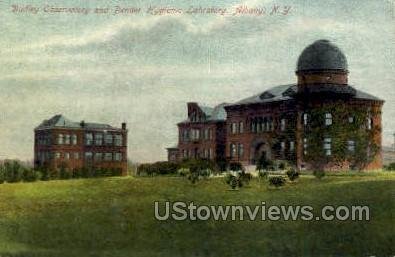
<point>142,68</point>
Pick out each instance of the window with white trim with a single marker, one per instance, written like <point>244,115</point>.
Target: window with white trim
<point>328,119</point>
<point>328,146</point>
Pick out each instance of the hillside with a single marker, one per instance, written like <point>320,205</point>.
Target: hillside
<point>115,217</point>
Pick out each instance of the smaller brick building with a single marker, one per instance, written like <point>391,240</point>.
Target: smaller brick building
<point>202,135</point>
<point>59,142</point>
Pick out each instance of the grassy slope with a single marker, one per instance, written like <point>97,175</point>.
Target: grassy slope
<point>115,217</point>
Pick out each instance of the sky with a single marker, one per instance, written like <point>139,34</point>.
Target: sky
<point>142,68</point>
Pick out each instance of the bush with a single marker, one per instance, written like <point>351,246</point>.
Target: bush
<point>29,175</point>
<point>277,181</point>
<point>193,177</point>
<point>292,174</point>
<point>236,166</point>
<point>390,167</point>
<point>162,168</point>
<point>263,174</point>
<point>264,164</point>
<point>319,174</point>
<point>2,174</point>
<point>13,171</point>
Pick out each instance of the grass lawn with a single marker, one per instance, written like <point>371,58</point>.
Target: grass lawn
<point>115,217</point>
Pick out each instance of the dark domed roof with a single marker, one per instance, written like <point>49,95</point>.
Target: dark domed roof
<point>322,55</point>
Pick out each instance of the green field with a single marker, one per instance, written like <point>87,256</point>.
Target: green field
<point>115,217</point>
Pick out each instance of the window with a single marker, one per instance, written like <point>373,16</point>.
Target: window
<point>241,127</point>
<point>369,123</point>
<point>292,146</point>
<point>305,146</point>
<point>271,124</point>
<point>282,124</point>
<point>108,156</point>
<point>233,150</point>
<point>118,140</point>
<point>57,155</point>
<point>60,139</point>
<point>282,146</point>
<point>74,139</point>
<point>351,119</point>
<point>328,146</point>
<point>98,156</point>
<point>351,146</point>
<point>210,153</point>
<point>88,139</point>
<point>88,156</point>
<point>184,154</point>
<point>76,156</point>
<point>118,157</point>
<point>108,139</point>
<point>67,156</point>
<point>305,119</point>
<point>328,119</point>
<point>67,139</point>
<point>185,135</point>
<point>195,134</point>
<point>233,128</point>
<point>241,150</point>
<point>205,134</point>
<point>210,134</point>
<point>98,139</point>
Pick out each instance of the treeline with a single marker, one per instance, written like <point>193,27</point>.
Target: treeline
<point>14,171</point>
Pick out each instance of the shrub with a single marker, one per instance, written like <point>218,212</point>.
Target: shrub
<point>193,177</point>
<point>277,181</point>
<point>183,172</point>
<point>292,174</point>
<point>263,174</point>
<point>319,174</point>
<point>264,164</point>
<point>236,166</point>
<point>29,175</point>
<point>13,171</point>
<point>2,174</point>
<point>282,165</point>
<point>234,183</point>
<point>390,166</point>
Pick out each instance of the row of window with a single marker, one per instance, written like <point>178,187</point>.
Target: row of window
<point>327,146</point>
<point>264,124</point>
<point>43,156</point>
<point>206,153</point>
<point>196,134</point>
<point>257,125</point>
<point>103,139</point>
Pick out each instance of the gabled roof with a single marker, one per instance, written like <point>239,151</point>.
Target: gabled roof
<point>60,121</point>
<point>288,92</point>
<point>278,93</point>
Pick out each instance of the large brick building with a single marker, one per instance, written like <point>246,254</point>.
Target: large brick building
<point>76,145</point>
<point>277,123</point>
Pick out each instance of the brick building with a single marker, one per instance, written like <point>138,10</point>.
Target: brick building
<point>201,135</point>
<point>276,123</point>
<point>75,145</point>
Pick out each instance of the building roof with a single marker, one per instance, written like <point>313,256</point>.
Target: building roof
<point>322,55</point>
<point>288,92</point>
<point>60,121</point>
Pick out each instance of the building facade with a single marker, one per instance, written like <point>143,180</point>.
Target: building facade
<point>318,122</point>
<point>202,135</point>
<point>59,142</point>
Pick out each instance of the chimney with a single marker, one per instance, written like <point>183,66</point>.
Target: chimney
<point>124,126</point>
<point>82,124</point>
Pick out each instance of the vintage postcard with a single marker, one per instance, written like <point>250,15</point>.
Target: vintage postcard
<point>197,128</point>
